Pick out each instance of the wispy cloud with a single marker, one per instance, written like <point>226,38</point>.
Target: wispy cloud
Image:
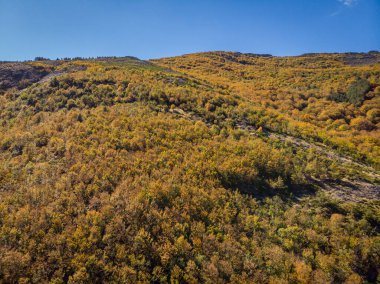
<point>336,13</point>
<point>348,3</point>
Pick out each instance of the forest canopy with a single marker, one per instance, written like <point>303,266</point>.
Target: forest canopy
<point>215,167</point>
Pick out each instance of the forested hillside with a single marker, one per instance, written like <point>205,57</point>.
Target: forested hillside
<point>215,167</point>
<point>329,98</point>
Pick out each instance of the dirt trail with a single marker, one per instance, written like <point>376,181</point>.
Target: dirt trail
<point>42,80</point>
<point>54,74</point>
<point>346,190</point>
<point>349,190</point>
<point>70,69</point>
<point>324,150</point>
<point>51,76</point>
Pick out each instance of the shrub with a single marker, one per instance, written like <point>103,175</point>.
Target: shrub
<point>373,115</point>
<point>361,123</point>
<point>357,91</point>
<point>354,95</point>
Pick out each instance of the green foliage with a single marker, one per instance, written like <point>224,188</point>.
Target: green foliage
<point>355,93</point>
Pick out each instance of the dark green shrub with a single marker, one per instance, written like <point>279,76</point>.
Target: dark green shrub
<point>355,93</point>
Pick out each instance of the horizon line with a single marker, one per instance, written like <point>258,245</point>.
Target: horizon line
<point>42,58</point>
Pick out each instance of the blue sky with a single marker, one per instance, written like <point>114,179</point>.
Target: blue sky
<point>160,28</point>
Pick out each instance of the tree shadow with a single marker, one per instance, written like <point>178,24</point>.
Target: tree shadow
<point>260,189</point>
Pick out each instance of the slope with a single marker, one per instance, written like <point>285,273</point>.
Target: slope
<point>317,97</point>
<point>120,170</point>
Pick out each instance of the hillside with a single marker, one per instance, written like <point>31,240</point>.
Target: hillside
<point>212,167</point>
<point>329,98</point>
